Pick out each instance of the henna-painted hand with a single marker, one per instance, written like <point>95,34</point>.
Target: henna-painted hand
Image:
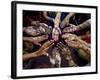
<point>72,40</point>
<point>75,42</point>
<point>40,28</point>
<point>36,40</point>
<point>67,54</point>
<point>55,34</point>
<point>65,50</point>
<point>31,31</point>
<point>44,28</point>
<point>43,50</point>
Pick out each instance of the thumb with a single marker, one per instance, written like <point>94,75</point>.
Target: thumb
<point>36,43</point>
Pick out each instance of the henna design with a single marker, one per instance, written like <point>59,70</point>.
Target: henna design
<point>67,54</point>
<point>40,31</point>
<point>42,51</point>
<point>37,29</point>
<point>66,20</point>
<point>36,40</point>
<point>73,41</point>
<point>73,28</point>
<point>55,59</point>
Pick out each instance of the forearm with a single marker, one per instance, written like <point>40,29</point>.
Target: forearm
<point>30,55</point>
<point>69,15</point>
<point>66,20</point>
<point>45,15</point>
<point>73,28</point>
<point>57,19</point>
<point>84,25</point>
<point>36,39</point>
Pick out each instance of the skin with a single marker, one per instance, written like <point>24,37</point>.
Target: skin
<point>73,27</point>
<point>64,22</point>
<point>67,54</point>
<point>36,29</point>
<point>56,29</point>
<point>47,17</point>
<point>42,51</point>
<point>34,23</point>
<point>36,40</point>
<point>71,39</point>
<point>66,19</point>
<point>55,59</point>
<point>30,31</point>
<point>75,42</point>
<point>69,29</point>
<point>84,55</point>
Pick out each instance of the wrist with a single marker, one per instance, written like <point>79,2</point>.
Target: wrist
<point>56,26</point>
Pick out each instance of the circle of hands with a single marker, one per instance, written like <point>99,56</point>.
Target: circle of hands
<point>40,32</point>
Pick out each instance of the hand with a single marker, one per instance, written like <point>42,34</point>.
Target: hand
<point>70,36</point>
<point>71,28</point>
<point>44,28</point>
<point>35,23</point>
<point>72,40</point>
<point>55,34</point>
<point>75,42</point>
<point>43,50</point>
<point>67,54</point>
<point>65,50</point>
<point>31,31</point>
<point>36,40</point>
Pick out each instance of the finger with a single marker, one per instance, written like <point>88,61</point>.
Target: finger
<point>49,42</point>
<point>69,36</point>
<point>41,38</point>
<point>73,44</point>
<point>65,35</point>
<point>49,46</point>
<point>36,43</point>
<point>59,30</point>
<point>64,47</point>
<point>62,44</point>
<point>46,44</point>
<point>46,54</point>
<point>35,23</point>
<point>59,44</point>
<point>43,24</point>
